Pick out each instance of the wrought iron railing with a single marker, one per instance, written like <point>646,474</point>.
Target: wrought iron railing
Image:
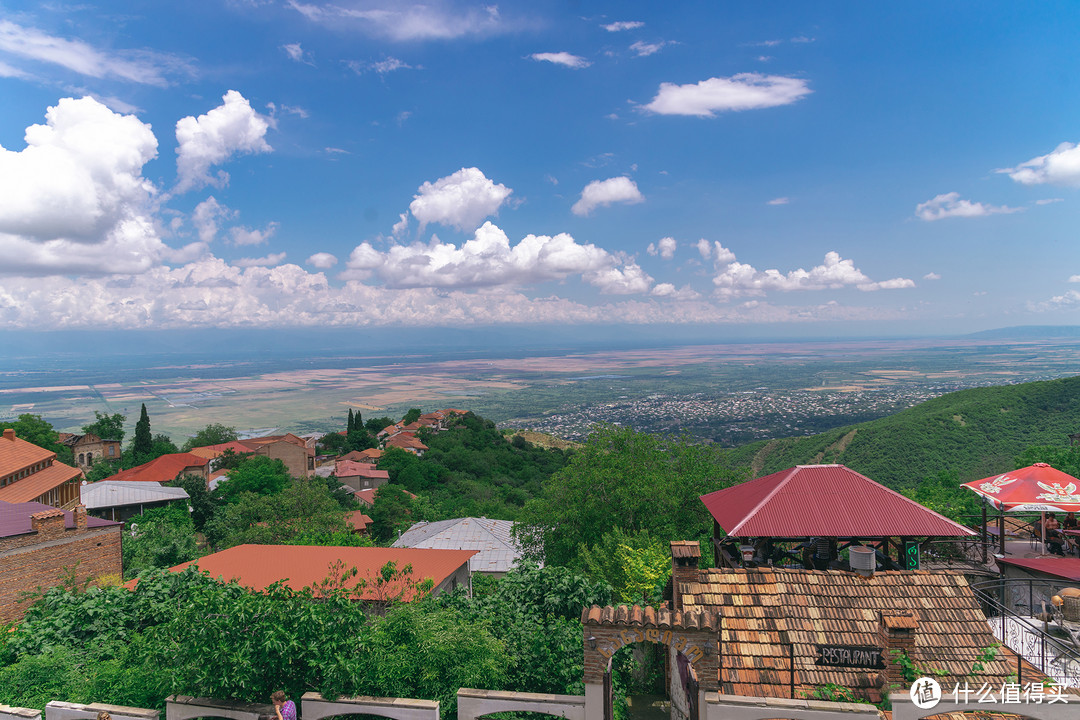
<point>1053,648</point>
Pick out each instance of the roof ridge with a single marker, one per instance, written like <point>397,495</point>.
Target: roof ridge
<point>791,472</point>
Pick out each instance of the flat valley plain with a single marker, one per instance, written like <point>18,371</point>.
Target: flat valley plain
<point>723,393</point>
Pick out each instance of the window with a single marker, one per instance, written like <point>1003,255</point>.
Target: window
<point>112,450</point>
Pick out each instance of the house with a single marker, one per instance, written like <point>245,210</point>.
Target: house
<point>123,499</point>
<point>360,476</point>
<point>371,455</point>
<point>358,522</point>
<point>299,566</point>
<point>42,547</point>
<point>406,442</point>
<point>773,621</point>
<point>296,452</point>
<point>166,468</point>
<point>89,448</point>
<point>367,497</point>
<point>29,473</point>
<point>497,552</point>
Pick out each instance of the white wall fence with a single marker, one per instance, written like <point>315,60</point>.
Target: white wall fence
<point>77,711</point>
<point>185,707</point>
<point>740,707</point>
<point>8,712</point>
<point>473,704</point>
<point>314,706</point>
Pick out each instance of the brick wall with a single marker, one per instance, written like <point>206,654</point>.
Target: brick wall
<point>39,559</point>
<point>896,631</point>
<point>610,639</point>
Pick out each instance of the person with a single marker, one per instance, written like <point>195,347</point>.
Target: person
<point>283,708</point>
<point>1053,535</point>
<point>1069,523</point>
<point>104,715</point>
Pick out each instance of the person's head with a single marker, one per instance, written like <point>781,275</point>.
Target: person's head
<point>278,698</point>
<point>1049,516</point>
<point>104,716</point>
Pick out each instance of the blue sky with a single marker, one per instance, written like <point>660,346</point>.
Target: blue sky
<point>266,163</point>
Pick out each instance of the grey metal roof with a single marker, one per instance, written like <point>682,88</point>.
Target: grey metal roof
<point>497,551</point>
<point>118,493</point>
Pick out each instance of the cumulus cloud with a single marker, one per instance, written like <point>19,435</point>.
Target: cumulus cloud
<point>1060,167</point>
<point>665,248</point>
<point>461,200</point>
<point>627,280</point>
<point>562,58</point>
<point>950,205</point>
<point>601,193</point>
<point>269,260</point>
<point>1048,201</point>
<point>486,260</point>
<point>931,276</point>
<point>667,290</point>
<point>714,251</point>
<point>735,279</point>
<point>403,21</point>
<point>1066,301</point>
<point>323,261</point>
<point>134,66</point>
<point>745,91</point>
<point>207,216</point>
<point>623,25</point>
<point>231,128</point>
<point>248,236</point>
<point>779,201</point>
<point>75,200</point>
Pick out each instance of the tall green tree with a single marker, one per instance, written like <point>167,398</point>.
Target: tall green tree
<point>143,442</point>
<point>349,426</point>
<point>212,434</point>
<point>412,416</point>
<point>257,474</point>
<point>107,427</point>
<point>623,479</point>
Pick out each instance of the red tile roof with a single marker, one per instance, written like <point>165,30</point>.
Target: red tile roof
<point>15,518</point>
<point>259,566</point>
<point>348,468</point>
<point>163,469</point>
<point>405,441</point>
<point>1064,568</point>
<point>213,451</point>
<point>16,453</point>
<point>823,501</point>
<point>358,521</point>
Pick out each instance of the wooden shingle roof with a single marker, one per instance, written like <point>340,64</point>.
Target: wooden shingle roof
<point>763,610</point>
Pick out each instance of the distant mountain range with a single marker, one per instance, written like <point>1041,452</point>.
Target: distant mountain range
<point>975,433</point>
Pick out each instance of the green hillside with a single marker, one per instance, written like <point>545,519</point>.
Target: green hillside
<point>974,433</point>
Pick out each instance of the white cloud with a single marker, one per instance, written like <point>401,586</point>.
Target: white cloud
<point>206,217</point>
<point>297,54</point>
<point>644,49</point>
<point>486,260</point>
<point>390,64</point>
<point>402,21</point>
<point>134,66</point>
<point>12,72</point>
<point>714,251</point>
<point>269,260</point>
<point>1066,301</point>
<point>779,201</point>
<point>667,290</point>
<point>247,236</point>
<point>401,225</point>
<point>211,139</point>
<point>323,261</point>
<point>461,200</point>
<point>735,279</point>
<point>950,205</point>
<point>1060,167</point>
<point>931,276</point>
<point>605,192</point>
<point>623,25</point>
<point>562,58</point>
<point>627,280</point>
<point>75,200</point>
<point>745,91</point>
<point>665,248</point>
<point>1048,201</point>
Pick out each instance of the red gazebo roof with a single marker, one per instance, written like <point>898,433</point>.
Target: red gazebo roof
<point>823,501</point>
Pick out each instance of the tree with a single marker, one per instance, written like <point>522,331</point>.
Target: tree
<point>635,565</point>
<point>107,427</point>
<point>212,434</point>
<point>623,479</point>
<point>257,474</point>
<point>412,416</point>
<point>350,425</point>
<point>143,442</point>
<point>392,511</point>
<point>159,538</point>
<point>102,469</point>
<point>36,430</point>
<point>202,503</point>
<point>374,425</point>
<point>229,459</point>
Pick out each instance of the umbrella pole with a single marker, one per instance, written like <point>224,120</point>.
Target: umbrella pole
<point>1042,524</point>
<point>1001,530</point>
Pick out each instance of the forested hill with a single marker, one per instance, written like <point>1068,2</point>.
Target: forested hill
<point>974,433</point>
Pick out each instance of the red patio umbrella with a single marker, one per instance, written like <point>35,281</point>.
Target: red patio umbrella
<point>1035,488</point>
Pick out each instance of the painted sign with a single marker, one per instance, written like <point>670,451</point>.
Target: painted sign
<point>857,656</point>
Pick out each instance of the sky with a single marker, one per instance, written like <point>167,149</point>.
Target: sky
<point>349,164</point>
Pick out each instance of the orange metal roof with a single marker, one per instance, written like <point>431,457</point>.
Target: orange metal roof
<point>259,566</point>
<point>823,501</point>
<point>163,469</point>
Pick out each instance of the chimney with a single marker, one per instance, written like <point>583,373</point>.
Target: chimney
<point>9,434</point>
<point>80,517</point>
<point>48,522</point>
<point>685,556</point>
<point>896,632</point>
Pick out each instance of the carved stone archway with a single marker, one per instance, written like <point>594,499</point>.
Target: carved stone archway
<point>608,629</point>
